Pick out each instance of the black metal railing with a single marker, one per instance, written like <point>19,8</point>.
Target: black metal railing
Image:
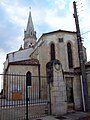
<point>13,100</point>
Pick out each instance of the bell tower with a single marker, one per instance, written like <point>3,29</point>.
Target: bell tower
<point>29,34</point>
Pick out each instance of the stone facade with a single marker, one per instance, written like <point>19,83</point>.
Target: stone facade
<point>42,48</point>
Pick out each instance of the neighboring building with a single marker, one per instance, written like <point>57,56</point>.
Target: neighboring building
<point>87,66</point>
<point>60,45</point>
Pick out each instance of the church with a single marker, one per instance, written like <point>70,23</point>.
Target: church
<point>35,56</point>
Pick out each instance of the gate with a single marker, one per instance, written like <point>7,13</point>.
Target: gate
<point>13,102</point>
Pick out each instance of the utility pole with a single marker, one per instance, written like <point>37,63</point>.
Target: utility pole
<point>81,61</point>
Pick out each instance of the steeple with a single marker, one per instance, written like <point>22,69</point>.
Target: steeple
<point>29,33</point>
<point>30,23</point>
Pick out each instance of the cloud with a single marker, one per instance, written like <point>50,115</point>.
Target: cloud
<point>14,43</point>
<point>58,22</point>
<point>84,19</point>
<point>14,25</point>
<point>83,12</point>
<point>53,17</point>
<point>60,4</point>
<point>16,12</point>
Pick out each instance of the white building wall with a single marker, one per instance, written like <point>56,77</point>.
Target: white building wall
<point>18,56</point>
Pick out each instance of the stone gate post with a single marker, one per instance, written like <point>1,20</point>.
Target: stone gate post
<point>58,90</point>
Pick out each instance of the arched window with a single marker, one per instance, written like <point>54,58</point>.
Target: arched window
<point>70,59</point>
<point>52,47</point>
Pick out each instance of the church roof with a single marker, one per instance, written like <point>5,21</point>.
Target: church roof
<point>25,62</point>
<point>66,31</point>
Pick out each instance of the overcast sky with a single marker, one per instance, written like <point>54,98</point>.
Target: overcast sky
<point>47,15</point>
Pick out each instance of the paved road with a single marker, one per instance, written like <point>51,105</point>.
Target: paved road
<point>70,116</point>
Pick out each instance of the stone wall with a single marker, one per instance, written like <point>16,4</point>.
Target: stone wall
<point>88,83</point>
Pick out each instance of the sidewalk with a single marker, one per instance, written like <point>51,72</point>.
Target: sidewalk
<point>69,116</point>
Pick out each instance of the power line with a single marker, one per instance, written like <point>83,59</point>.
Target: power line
<point>85,32</point>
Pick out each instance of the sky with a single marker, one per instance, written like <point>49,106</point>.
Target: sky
<point>47,15</point>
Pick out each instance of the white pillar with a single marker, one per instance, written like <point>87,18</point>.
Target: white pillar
<point>58,91</point>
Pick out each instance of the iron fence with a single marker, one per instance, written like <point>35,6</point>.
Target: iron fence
<point>13,102</point>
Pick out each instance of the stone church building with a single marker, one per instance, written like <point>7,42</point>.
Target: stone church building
<point>35,56</point>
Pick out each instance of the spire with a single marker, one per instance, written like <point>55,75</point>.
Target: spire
<point>29,33</point>
<point>30,23</point>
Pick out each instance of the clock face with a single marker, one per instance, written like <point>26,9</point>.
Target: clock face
<point>57,66</point>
